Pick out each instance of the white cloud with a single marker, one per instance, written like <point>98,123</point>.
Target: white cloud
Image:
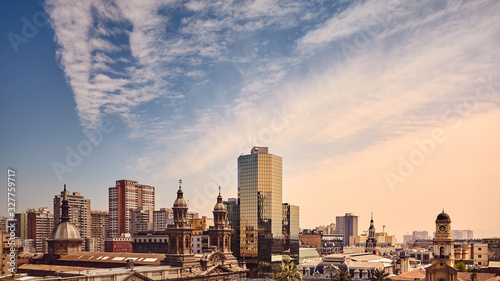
<point>380,95</point>
<point>407,63</point>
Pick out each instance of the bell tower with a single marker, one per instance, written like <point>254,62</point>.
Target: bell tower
<point>220,233</point>
<point>443,241</point>
<point>443,262</point>
<point>180,252</point>
<point>371,240</point>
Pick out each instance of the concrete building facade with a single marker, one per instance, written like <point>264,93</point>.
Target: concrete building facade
<point>99,228</point>
<point>347,225</point>
<point>124,197</point>
<point>40,224</point>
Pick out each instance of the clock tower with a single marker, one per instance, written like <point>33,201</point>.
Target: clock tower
<point>443,262</point>
<point>443,242</point>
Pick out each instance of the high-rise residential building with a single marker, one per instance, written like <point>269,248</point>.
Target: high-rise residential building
<point>160,218</point>
<point>40,224</point>
<point>99,228</point>
<point>291,230</point>
<point>126,196</point>
<point>347,226</point>
<point>260,194</point>
<point>141,220</point>
<point>21,220</point>
<point>3,223</point>
<point>79,212</point>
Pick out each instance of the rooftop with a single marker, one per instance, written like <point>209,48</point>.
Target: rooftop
<point>106,257</point>
<point>465,276</point>
<point>308,253</point>
<point>410,275</point>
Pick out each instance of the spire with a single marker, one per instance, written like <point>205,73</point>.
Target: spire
<point>220,213</point>
<point>219,198</point>
<point>65,207</point>
<point>372,225</point>
<point>180,194</point>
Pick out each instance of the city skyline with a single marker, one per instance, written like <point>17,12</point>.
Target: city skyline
<point>361,227</point>
<point>384,107</point>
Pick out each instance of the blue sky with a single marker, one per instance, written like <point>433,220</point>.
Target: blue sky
<point>375,106</point>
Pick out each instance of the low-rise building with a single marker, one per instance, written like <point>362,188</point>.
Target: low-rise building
<point>201,243</point>
<point>199,224</point>
<point>153,242</point>
<point>480,254</point>
<point>493,248</point>
<point>121,244</point>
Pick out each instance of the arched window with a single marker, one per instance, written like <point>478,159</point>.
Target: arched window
<point>441,251</point>
<point>187,243</point>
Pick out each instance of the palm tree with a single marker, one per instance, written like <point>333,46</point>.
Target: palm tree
<point>342,275</point>
<point>379,275</point>
<point>288,272</point>
<point>461,266</point>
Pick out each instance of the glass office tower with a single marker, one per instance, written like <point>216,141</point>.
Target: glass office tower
<point>290,232</point>
<point>260,197</point>
<point>233,217</point>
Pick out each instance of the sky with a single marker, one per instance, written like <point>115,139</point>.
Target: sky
<point>390,107</point>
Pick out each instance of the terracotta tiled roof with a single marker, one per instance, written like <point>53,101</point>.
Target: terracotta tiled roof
<point>496,278</point>
<point>465,276</point>
<point>410,275</point>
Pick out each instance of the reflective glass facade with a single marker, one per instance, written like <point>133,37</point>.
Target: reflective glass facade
<point>260,197</point>
<point>291,232</point>
<point>233,217</point>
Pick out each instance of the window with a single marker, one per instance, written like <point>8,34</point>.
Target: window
<point>479,256</point>
<point>479,249</point>
<point>479,263</point>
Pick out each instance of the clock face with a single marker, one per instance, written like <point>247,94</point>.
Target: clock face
<point>442,228</point>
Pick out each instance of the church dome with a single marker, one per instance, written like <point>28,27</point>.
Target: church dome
<point>65,230</point>
<point>443,217</point>
<point>180,202</point>
<point>219,206</point>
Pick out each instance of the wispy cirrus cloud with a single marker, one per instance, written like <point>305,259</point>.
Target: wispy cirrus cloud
<point>118,55</point>
<point>209,76</point>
